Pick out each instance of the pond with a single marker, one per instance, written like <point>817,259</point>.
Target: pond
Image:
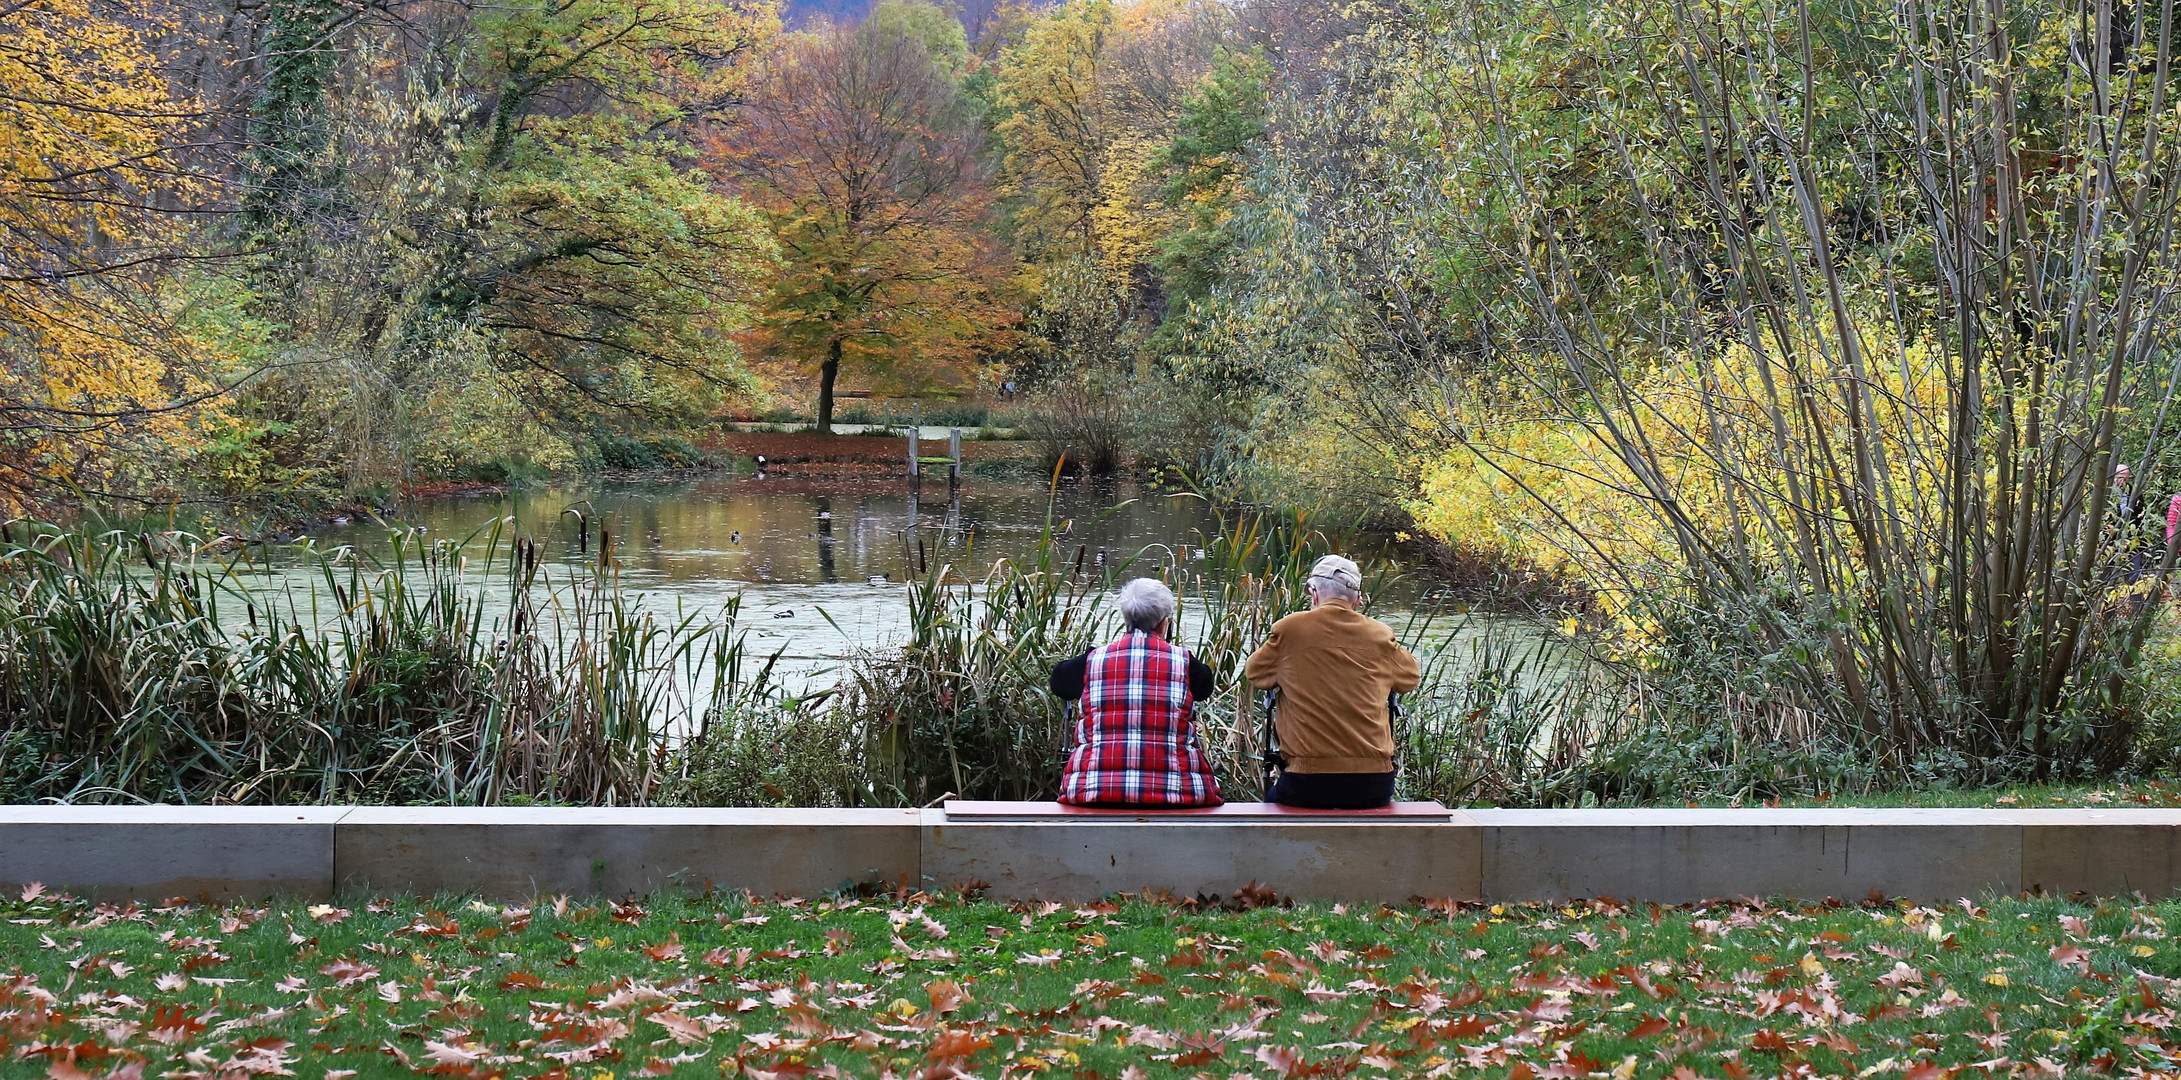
<point>819,563</point>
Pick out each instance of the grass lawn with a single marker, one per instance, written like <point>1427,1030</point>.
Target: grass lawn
<point>2161,794</point>
<point>938,987</point>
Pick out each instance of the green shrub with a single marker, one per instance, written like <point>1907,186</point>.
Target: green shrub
<point>776,754</point>
<point>656,452</point>
<point>957,414</point>
<point>513,471</point>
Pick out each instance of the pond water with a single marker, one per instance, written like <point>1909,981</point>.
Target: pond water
<point>818,563</point>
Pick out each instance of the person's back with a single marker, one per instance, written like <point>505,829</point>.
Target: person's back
<point>1135,743</point>
<point>1335,668</point>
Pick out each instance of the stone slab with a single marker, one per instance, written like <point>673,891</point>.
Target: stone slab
<point>2116,852</point>
<point>1681,856</point>
<point>520,852</point>
<point>1667,855</point>
<point>959,810</point>
<point>1073,861</point>
<point>157,852</point>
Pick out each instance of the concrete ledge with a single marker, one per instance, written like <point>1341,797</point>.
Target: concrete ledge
<point>2101,852</point>
<point>1390,860</point>
<point>961,810</point>
<point>152,852</point>
<point>1677,856</point>
<point>514,852</point>
<point>155,852</point>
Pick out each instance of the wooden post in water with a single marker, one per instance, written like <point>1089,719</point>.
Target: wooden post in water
<point>914,464</point>
<point>954,450</point>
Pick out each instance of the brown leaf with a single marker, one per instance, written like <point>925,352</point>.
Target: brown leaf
<point>1901,975</point>
<point>347,971</point>
<point>2068,956</point>
<point>946,996</point>
<point>668,952</point>
<point>521,980</point>
<point>955,1044</point>
<point>684,1030</point>
<point>1285,1061</point>
<point>443,1054</point>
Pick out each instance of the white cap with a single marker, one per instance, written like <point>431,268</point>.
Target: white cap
<point>1339,569</point>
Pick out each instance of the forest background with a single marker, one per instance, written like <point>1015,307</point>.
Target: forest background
<point>1797,341</point>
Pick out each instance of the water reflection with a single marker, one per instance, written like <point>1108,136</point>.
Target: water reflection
<point>819,564</point>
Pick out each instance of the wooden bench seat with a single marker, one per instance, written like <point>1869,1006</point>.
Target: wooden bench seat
<point>967,810</point>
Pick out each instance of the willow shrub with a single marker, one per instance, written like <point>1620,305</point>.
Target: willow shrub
<point>1824,326</point>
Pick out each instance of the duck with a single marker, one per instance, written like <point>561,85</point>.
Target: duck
<point>879,579</point>
<point>736,538</point>
<point>784,613</point>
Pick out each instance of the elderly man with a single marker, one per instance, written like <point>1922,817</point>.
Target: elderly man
<point>1135,744</point>
<point>1335,669</point>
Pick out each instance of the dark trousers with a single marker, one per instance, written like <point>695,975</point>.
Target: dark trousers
<point>1333,791</point>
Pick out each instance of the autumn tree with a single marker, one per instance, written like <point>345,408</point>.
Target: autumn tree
<point>1086,103</point>
<point>864,154</point>
<point>1206,166</point>
<point>507,245</point>
<point>96,364</point>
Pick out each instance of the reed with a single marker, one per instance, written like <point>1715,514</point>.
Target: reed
<point>961,707</point>
<point>156,667</point>
<point>164,667</point>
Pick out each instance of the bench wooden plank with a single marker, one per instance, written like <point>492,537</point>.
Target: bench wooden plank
<point>977,810</point>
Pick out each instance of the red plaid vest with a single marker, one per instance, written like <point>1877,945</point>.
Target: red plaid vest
<point>1134,742</point>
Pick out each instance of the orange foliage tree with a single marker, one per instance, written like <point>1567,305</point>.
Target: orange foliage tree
<point>861,149</point>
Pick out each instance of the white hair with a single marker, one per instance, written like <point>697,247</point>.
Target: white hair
<point>1145,603</point>
<point>1337,578</point>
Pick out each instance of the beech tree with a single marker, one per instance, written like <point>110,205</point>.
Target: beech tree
<point>864,154</point>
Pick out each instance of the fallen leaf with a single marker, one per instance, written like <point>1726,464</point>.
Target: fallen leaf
<point>346,971</point>
<point>946,996</point>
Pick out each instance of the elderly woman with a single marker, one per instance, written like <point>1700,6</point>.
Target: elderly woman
<point>1134,743</point>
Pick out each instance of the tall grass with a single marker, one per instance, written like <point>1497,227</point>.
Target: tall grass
<point>155,667</point>
<point>160,667</point>
<point>960,708</point>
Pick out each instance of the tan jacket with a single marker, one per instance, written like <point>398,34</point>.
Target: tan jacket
<point>1334,667</point>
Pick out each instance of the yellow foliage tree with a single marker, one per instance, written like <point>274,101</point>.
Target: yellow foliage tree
<point>1088,99</point>
<point>92,364</point>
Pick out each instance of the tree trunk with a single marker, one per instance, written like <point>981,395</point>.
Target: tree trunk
<point>826,374</point>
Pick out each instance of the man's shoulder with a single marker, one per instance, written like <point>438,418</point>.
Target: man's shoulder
<point>1331,620</point>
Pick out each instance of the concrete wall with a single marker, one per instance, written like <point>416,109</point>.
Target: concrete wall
<point>1662,855</point>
